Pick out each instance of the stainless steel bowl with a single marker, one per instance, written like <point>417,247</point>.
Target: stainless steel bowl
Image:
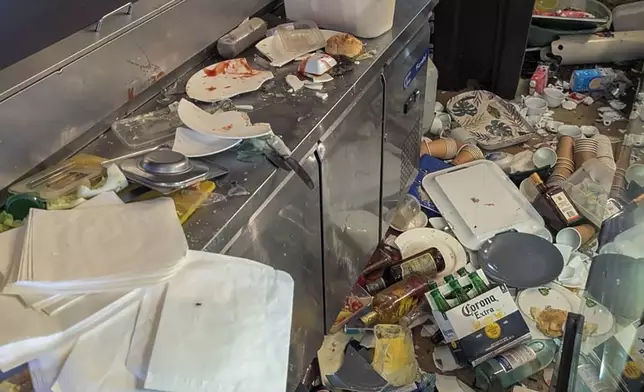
<point>165,162</point>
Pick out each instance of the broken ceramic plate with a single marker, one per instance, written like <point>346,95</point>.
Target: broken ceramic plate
<point>226,125</point>
<point>317,64</point>
<point>224,80</point>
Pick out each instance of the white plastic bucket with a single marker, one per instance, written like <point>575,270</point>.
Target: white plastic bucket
<point>362,18</point>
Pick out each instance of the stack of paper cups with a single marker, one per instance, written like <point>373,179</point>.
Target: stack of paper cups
<point>618,188</point>
<point>441,148</point>
<point>467,153</point>
<point>585,149</point>
<point>605,151</point>
<point>565,165</point>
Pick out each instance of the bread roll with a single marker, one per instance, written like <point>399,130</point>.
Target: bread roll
<point>343,44</point>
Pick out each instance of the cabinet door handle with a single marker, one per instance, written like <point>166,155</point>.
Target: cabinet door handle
<point>125,9</point>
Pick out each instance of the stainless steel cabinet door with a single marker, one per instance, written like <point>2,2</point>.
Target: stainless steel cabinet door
<point>405,95</point>
<point>350,163</point>
<point>285,234</point>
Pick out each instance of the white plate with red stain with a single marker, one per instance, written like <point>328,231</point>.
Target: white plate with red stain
<point>224,80</point>
<point>226,125</point>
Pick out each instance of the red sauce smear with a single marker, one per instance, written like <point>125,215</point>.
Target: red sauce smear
<point>231,67</point>
<point>227,127</point>
<point>211,88</point>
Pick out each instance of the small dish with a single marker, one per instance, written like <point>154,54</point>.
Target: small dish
<point>570,130</point>
<point>544,156</point>
<point>589,130</point>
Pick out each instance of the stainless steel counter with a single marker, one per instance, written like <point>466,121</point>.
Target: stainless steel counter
<point>353,146</point>
<point>300,119</point>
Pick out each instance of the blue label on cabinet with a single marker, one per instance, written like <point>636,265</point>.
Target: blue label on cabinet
<point>411,75</point>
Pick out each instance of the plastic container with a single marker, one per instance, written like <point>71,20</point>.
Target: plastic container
<point>300,37</point>
<point>629,17</point>
<point>588,188</point>
<point>362,18</point>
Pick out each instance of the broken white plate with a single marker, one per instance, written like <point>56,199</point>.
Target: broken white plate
<point>195,144</point>
<point>225,80</point>
<point>226,125</point>
<point>272,48</point>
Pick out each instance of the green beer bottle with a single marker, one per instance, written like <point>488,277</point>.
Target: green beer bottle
<point>462,272</point>
<point>479,285</point>
<point>457,290</point>
<point>441,302</point>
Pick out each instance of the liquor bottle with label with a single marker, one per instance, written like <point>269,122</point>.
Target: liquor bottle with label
<point>391,304</point>
<point>555,206</point>
<point>620,219</point>
<point>514,365</point>
<point>427,263</point>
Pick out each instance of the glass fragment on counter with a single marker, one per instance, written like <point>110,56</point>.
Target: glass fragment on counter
<point>237,190</point>
<point>151,128</point>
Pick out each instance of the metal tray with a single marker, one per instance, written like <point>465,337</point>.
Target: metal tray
<point>479,201</point>
<point>165,184</point>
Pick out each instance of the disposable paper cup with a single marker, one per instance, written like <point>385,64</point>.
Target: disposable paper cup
<point>442,148</point>
<point>586,231</point>
<point>465,156</point>
<point>565,147</point>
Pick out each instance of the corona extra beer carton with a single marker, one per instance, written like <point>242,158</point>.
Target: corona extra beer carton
<point>481,327</point>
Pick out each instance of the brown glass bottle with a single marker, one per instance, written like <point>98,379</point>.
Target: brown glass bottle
<point>427,263</point>
<point>394,302</point>
<point>554,205</point>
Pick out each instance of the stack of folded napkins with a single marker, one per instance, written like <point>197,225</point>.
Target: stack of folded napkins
<point>91,250</point>
<point>52,284</point>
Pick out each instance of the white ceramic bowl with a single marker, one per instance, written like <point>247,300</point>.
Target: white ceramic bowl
<point>570,237</point>
<point>553,97</point>
<point>635,173</point>
<point>544,156</point>
<point>570,130</point>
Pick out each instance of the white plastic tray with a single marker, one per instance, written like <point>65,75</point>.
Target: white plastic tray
<point>479,201</point>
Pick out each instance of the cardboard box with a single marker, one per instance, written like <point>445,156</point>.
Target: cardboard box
<point>482,327</point>
<point>596,79</point>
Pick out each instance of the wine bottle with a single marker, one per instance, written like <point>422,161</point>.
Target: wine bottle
<point>391,304</point>
<point>427,263</point>
<point>554,205</point>
<point>514,365</point>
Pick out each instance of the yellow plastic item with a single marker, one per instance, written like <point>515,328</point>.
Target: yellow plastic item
<point>186,201</point>
<point>546,5</point>
<point>394,357</point>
